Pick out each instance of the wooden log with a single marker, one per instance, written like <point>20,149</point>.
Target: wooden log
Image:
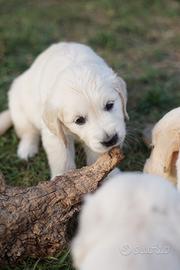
<point>34,220</point>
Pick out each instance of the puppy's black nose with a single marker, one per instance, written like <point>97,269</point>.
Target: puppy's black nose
<point>110,141</point>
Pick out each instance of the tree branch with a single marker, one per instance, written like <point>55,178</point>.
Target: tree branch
<point>34,220</point>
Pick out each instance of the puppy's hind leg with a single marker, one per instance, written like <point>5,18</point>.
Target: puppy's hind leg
<point>28,134</point>
<point>28,145</point>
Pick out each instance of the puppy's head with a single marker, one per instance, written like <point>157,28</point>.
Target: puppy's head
<point>90,102</point>
<point>165,147</point>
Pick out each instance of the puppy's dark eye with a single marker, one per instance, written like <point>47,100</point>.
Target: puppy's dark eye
<point>80,120</point>
<point>109,105</point>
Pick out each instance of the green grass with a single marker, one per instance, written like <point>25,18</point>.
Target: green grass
<point>139,39</point>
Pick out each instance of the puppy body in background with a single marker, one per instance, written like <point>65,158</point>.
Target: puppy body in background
<point>125,226</point>
<point>68,93</point>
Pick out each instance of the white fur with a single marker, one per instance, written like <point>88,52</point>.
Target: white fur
<point>128,217</point>
<point>66,81</point>
<point>5,121</point>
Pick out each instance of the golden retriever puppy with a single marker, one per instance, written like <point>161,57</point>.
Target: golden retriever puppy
<point>124,225</point>
<point>164,159</point>
<point>68,93</point>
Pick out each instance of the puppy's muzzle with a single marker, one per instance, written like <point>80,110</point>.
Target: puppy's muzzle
<point>110,141</point>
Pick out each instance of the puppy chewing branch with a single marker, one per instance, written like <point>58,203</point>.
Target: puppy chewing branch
<point>34,221</point>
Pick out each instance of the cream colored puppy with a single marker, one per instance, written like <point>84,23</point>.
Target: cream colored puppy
<point>125,226</point>
<point>68,93</point>
<point>164,159</point>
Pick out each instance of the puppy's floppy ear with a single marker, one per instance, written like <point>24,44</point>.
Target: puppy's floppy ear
<point>120,87</point>
<point>55,125</point>
<point>172,156</point>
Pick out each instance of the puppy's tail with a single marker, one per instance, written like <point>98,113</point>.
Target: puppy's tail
<point>5,121</point>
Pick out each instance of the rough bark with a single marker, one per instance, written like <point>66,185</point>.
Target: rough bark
<point>34,220</point>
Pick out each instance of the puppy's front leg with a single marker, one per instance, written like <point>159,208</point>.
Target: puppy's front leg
<point>60,156</point>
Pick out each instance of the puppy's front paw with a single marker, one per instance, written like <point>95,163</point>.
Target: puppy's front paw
<point>26,149</point>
